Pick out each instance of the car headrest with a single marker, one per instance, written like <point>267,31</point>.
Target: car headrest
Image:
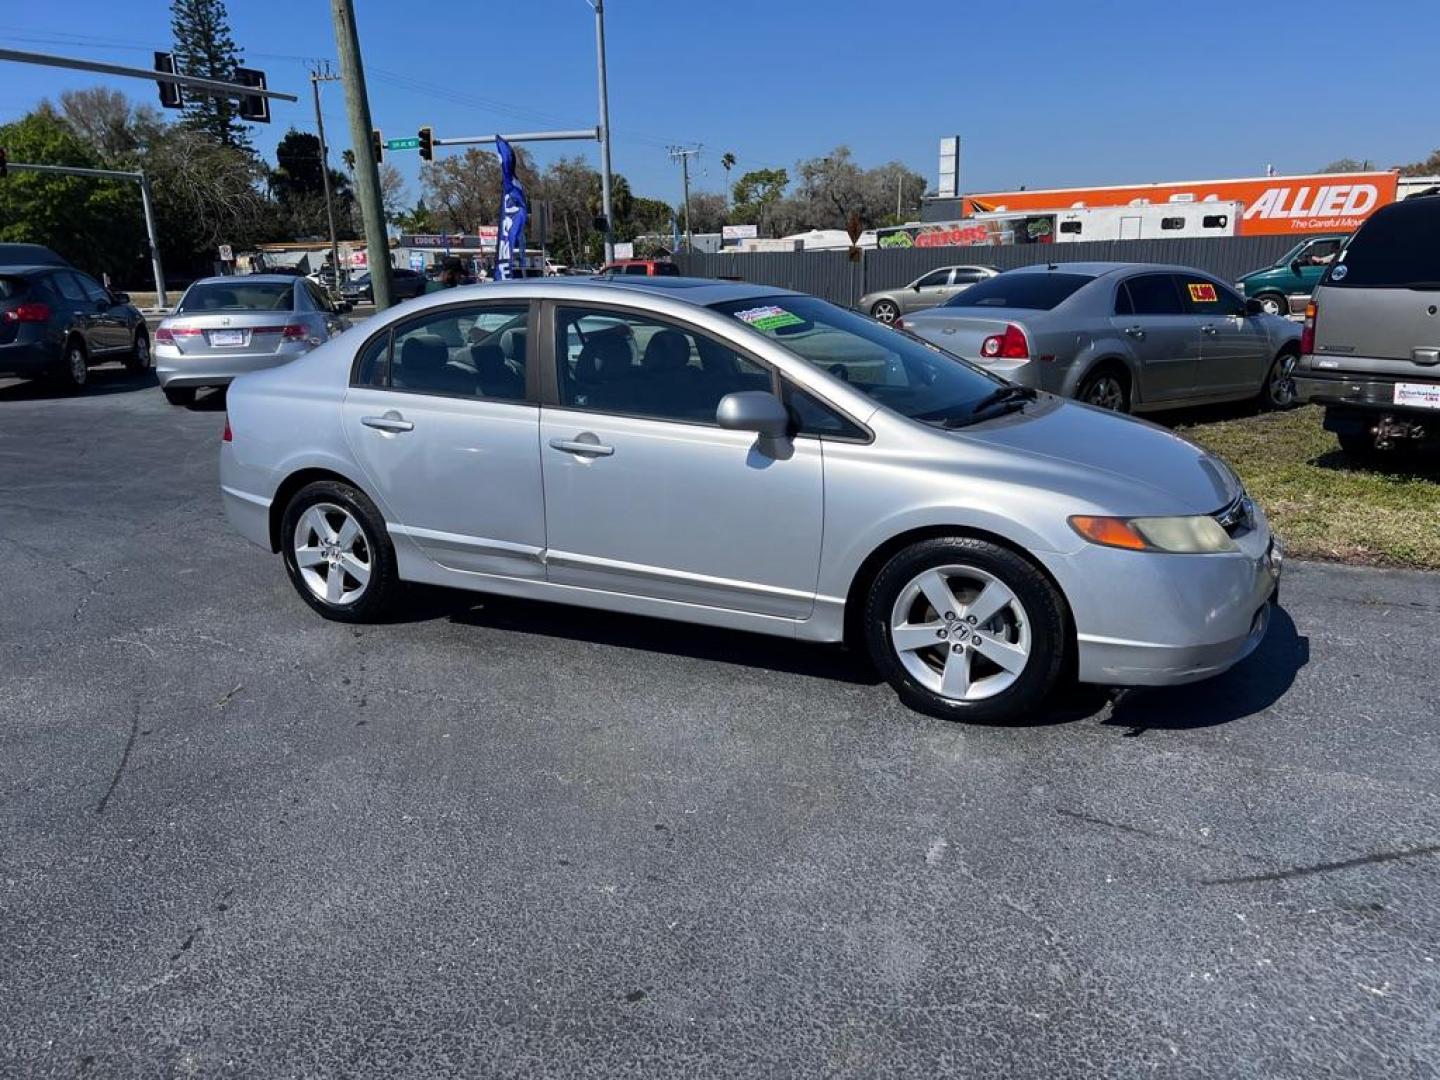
<point>603,358</point>
<point>423,353</point>
<point>512,344</point>
<point>715,359</point>
<point>489,362</point>
<point>669,350</point>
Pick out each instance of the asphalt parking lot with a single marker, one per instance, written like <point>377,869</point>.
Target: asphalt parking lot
<point>493,838</point>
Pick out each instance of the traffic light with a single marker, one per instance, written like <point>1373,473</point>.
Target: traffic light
<point>253,108</point>
<point>427,144</point>
<point>377,146</point>
<point>171,95</point>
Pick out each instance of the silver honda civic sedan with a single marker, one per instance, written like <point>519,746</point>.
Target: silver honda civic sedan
<point>738,456</point>
<point>226,326</point>
<point>1133,337</point>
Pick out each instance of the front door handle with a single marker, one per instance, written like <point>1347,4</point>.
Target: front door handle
<point>1135,332</point>
<point>1207,329</point>
<point>391,422</point>
<point>586,445</point>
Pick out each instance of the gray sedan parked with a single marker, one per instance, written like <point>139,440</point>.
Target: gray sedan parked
<point>1123,336</point>
<point>226,326</point>
<point>929,289</point>
<point>740,456</point>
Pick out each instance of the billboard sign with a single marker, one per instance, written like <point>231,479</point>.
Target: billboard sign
<point>946,234</point>
<point>1274,205</point>
<point>730,233</point>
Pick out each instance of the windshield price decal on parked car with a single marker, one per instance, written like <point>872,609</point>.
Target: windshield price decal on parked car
<point>769,317</point>
<point>1203,292</point>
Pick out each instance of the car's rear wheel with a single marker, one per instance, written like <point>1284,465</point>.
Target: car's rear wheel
<point>1106,388</point>
<point>964,629</point>
<point>337,552</point>
<point>180,395</point>
<point>886,311</point>
<point>74,370</point>
<point>1279,389</point>
<point>1274,303</point>
<point>139,358</point>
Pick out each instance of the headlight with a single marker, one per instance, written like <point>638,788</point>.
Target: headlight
<point>1197,535</point>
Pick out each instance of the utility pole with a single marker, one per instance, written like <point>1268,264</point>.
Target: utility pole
<point>316,78</point>
<point>599,6</point>
<point>683,155</point>
<point>367,176</point>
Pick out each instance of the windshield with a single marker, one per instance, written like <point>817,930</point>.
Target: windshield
<point>1031,291</point>
<point>892,368</point>
<point>241,296</point>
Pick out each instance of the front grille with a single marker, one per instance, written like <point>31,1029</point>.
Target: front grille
<point>1237,517</point>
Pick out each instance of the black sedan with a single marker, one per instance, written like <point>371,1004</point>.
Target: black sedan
<point>404,284</point>
<point>57,322</point>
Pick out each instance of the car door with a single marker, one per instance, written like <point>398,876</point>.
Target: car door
<point>441,425</point>
<point>645,494</point>
<point>80,313</point>
<point>1163,337</point>
<point>110,331</point>
<point>929,291</point>
<point>1234,348</point>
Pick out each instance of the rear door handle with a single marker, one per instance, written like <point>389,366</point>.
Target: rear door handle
<point>1207,329</point>
<point>1135,332</point>
<point>391,422</point>
<point>590,447</point>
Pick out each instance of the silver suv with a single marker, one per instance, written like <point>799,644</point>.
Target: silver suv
<point>1371,341</point>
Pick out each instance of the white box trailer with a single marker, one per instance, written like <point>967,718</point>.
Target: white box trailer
<point>1140,221</point>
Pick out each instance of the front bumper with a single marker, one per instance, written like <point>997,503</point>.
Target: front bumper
<point>1153,619</point>
<point>174,369</point>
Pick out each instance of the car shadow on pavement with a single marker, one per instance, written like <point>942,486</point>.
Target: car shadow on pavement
<point>1407,463</point>
<point>638,632</point>
<point>107,379</point>
<point>1250,687</point>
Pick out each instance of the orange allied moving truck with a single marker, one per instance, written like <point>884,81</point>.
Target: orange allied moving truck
<point>1273,205</point>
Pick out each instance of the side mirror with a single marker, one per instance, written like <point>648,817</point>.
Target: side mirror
<point>1295,265</point>
<point>1254,306</point>
<point>916,286</point>
<point>754,410</point>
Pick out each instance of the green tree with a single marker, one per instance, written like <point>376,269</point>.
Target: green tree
<point>204,47</point>
<point>418,219</point>
<point>760,187</point>
<point>96,224</point>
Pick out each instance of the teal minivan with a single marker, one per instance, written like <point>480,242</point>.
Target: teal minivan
<point>1285,288</point>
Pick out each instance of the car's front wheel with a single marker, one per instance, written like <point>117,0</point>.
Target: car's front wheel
<point>337,552</point>
<point>965,629</point>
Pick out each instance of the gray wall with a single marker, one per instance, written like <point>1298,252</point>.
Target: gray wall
<point>831,274</point>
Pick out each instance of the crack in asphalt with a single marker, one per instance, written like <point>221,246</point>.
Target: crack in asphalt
<point>124,759</point>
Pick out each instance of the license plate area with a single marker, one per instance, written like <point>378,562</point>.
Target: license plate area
<point>1417,395</point>
<point>229,338</point>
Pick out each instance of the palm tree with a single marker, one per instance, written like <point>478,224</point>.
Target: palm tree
<point>727,162</point>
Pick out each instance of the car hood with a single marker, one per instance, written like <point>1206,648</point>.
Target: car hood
<point>1120,453</point>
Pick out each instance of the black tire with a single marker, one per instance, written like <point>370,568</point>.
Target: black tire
<point>73,371</point>
<point>886,311</point>
<point>383,585</point>
<point>1107,387</point>
<point>1043,606</point>
<point>1278,392</point>
<point>140,358</point>
<point>180,395</point>
<point>1281,303</point>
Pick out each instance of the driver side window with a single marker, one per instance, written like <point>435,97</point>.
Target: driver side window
<point>934,280</point>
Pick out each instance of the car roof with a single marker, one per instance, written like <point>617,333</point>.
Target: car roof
<point>700,292</point>
<point>232,279</point>
<point>29,270</point>
<point>1102,269</point>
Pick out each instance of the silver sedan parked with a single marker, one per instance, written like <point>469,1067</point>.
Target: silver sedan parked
<point>929,289</point>
<point>226,326</point>
<point>1132,337</point>
<point>739,456</point>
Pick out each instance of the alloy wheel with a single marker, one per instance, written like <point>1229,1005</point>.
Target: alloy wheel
<point>142,353</point>
<point>1106,393</point>
<point>1271,305</point>
<point>1282,382</point>
<point>75,365</point>
<point>960,632</point>
<point>886,312</point>
<point>332,554</point>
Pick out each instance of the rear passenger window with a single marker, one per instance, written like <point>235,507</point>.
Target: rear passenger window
<point>1154,294</point>
<point>632,365</point>
<point>467,352</point>
<point>1398,247</point>
<point>68,286</point>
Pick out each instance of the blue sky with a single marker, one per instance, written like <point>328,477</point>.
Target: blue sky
<point>1043,92</point>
